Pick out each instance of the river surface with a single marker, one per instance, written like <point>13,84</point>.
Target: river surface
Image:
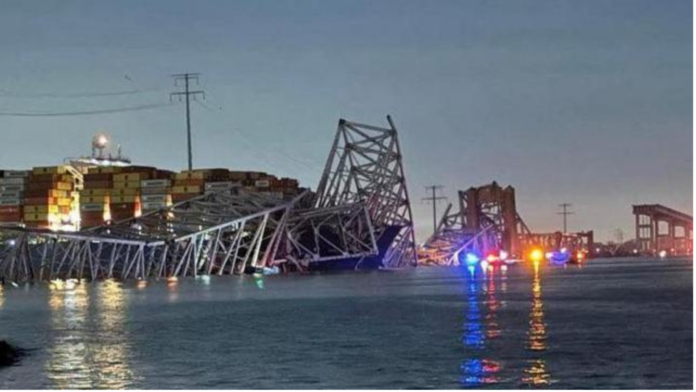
<point>619,323</point>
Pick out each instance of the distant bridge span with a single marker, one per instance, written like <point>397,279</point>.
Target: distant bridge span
<point>660,228</point>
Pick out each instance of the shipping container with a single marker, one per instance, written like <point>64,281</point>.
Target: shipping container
<point>153,205</point>
<point>90,207</point>
<point>161,183</point>
<point>95,192</point>
<point>13,181</point>
<point>185,175</point>
<point>49,170</point>
<point>125,199</point>
<point>98,184</point>
<point>186,189</point>
<point>131,177</point>
<point>154,198</point>
<point>43,193</point>
<point>155,191</point>
<point>94,199</point>
<point>15,173</point>
<point>12,188</point>
<point>127,184</point>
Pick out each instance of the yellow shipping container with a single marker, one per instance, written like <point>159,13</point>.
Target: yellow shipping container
<point>125,199</point>
<point>49,170</point>
<point>186,189</point>
<point>94,199</point>
<point>186,175</point>
<point>63,201</point>
<point>125,191</point>
<point>126,184</point>
<point>40,209</point>
<point>95,192</point>
<point>125,177</point>
<point>42,217</point>
<point>104,170</point>
<point>64,186</point>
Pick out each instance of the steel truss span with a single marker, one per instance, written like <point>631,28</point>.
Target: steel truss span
<point>361,214</point>
<point>365,166</point>
<point>218,233</point>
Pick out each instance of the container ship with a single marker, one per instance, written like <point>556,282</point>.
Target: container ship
<point>104,188</point>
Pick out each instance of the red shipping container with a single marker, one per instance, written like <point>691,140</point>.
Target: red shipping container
<point>118,207</point>
<point>10,210</point>
<point>10,216</point>
<point>98,184</point>
<point>39,201</point>
<point>92,177</point>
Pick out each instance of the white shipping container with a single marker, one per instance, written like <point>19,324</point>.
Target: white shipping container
<point>153,205</point>
<point>13,181</point>
<point>11,188</point>
<point>92,206</point>
<point>155,191</point>
<point>11,194</point>
<point>221,186</point>
<point>10,202</point>
<point>155,183</point>
<point>263,183</point>
<point>154,198</point>
<point>16,173</point>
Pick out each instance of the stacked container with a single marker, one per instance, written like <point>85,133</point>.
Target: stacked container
<point>12,186</point>
<point>95,197</point>
<point>156,193</point>
<point>48,197</point>
<point>188,184</point>
<point>125,196</point>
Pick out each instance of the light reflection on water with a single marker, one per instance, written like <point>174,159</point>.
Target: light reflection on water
<point>90,349</point>
<point>478,370</point>
<point>536,372</point>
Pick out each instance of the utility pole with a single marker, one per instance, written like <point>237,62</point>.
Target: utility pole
<point>188,94</point>
<point>565,214</point>
<point>434,199</point>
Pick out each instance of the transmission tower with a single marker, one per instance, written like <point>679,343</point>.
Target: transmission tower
<point>565,214</point>
<point>434,199</point>
<point>187,94</point>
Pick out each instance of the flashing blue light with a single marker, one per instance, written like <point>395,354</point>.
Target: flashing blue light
<point>560,257</point>
<point>472,258</point>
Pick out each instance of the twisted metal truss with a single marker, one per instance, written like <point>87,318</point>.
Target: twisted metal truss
<point>331,233</point>
<point>480,226</point>
<point>217,233</point>
<point>365,167</point>
<point>452,239</point>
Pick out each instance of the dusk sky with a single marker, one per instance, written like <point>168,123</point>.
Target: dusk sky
<point>585,102</point>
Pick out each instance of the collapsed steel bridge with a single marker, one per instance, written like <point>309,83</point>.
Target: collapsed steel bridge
<point>360,217</point>
<point>487,221</point>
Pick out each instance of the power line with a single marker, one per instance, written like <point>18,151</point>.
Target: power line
<point>565,214</point>
<point>187,93</point>
<point>86,112</point>
<point>15,94</point>
<point>306,165</point>
<point>434,200</point>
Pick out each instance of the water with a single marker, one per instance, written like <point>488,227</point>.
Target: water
<point>611,324</point>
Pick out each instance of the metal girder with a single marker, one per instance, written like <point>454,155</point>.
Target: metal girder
<point>365,167</point>
<point>218,233</point>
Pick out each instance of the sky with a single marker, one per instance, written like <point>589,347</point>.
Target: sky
<point>582,102</point>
